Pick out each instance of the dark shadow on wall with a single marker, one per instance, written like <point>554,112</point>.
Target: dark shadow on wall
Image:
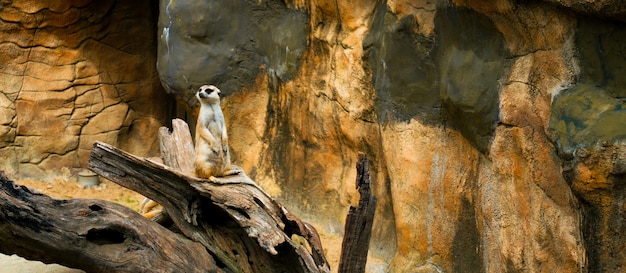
<point>466,248</point>
<point>470,56</point>
<point>403,71</point>
<point>452,79</point>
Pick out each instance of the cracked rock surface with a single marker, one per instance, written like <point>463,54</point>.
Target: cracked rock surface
<point>495,129</point>
<point>74,72</point>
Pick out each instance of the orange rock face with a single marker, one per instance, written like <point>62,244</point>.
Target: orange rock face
<point>453,104</point>
<point>74,72</point>
<point>495,128</point>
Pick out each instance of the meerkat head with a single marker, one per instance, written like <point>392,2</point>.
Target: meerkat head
<point>208,94</point>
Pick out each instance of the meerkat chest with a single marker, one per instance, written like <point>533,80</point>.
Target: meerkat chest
<point>212,118</point>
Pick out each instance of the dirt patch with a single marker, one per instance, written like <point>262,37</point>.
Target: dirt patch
<point>66,188</point>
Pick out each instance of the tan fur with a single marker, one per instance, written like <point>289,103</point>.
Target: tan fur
<point>212,155</point>
<point>149,208</point>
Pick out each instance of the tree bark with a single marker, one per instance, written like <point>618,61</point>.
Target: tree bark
<point>177,152</point>
<point>358,230</point>
<point>92,235</point>
<point>232,217</point>
<point>228,223</point>
<point>177,149</point>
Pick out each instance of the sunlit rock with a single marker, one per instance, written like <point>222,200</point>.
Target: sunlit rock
<point>74,72</point>
<point>495,129</point>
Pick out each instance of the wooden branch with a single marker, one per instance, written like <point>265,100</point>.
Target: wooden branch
<point>233,218</point>
<point>177,152</point>
<point>92,235</point>
<point>358,230</point>
<point>230,219</point>
<point>177,149</point>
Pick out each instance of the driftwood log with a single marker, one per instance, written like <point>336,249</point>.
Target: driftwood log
<point>92,235</point>
<point>227,225</point>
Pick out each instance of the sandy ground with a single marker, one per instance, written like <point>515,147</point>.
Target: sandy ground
<point>68,188</point>
<point>16,264</point>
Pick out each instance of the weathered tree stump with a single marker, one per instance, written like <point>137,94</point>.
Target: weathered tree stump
<point>358,230</point>
<point>231,225</point>
<point>177,152</point>
<point>177,149</point>
<point>238,223</point>
<point>227,225</point>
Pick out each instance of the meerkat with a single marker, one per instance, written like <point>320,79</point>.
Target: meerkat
<point>212,155</point>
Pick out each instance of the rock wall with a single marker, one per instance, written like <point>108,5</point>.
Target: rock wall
<point>72,72</point>
<point>495,128</point>
<point>471,112</point>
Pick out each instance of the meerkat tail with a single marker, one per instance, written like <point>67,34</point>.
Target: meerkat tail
<point>231,172</point>
<point>149,208</point>
<point>150,214</point>
<point>147,205</point>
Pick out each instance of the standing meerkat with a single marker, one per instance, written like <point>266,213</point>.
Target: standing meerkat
<point>212,155</point>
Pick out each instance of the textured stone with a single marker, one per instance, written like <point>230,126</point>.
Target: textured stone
<point>405,75</point>
<point>598,176</point>
<point>453,104</point>
<point>587,124</point>
<point>33,149</point>
<point>586,115</point>
<point>36,6</point>
<point>88,105</point>
<point>109,119</point>
<point>42,113</point>
<point>7,110</point>
<point>592,110</point>
<point>471,64</point>
<point>614,9</point>
<point>494,128</point>
<point>49,73</point>
<point>72,69</point>
<point>54,56</point>
<point>10,85</point>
